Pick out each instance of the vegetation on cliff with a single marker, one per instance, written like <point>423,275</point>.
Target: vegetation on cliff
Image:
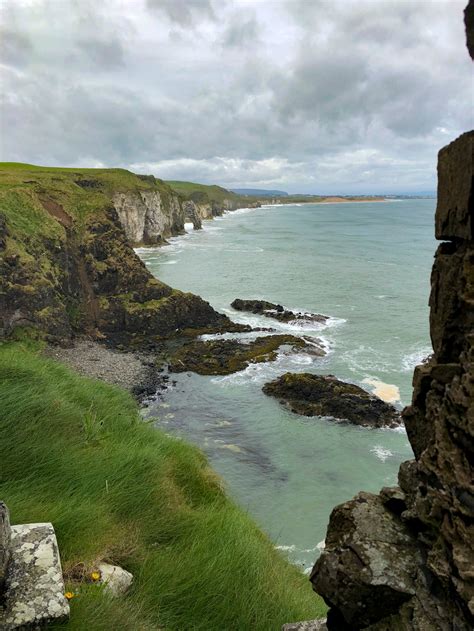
<point>68,267</point>
<point>203,192</point>
<point>116,489</point>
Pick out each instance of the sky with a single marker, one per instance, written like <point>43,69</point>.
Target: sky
<point>308,96</point>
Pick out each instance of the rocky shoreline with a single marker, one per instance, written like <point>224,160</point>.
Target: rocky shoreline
<point>140,373</point>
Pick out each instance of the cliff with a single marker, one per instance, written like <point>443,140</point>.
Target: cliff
<point>202,201</point>
<point>404,559</point>
<point>67,264</point>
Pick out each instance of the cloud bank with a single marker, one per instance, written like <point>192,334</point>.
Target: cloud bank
<point>313,96</point>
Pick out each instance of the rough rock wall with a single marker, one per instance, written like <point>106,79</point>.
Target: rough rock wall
<point>404,559</point>
<point>192,213</point>
<point>209,209</point>
<point>91,281</point>
<point>147,218</point>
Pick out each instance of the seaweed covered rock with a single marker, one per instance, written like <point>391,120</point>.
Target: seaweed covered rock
<point>277,312</point>
<point>319,395</point>
<point>222,357</point>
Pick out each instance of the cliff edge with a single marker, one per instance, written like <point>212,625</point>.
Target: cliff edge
<point>67,264</point>
<point>404,559</point>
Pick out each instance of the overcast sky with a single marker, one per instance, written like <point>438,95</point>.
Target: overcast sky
<point>301,95</point>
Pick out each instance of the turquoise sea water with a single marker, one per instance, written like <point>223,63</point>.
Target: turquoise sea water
<point>367,265</point>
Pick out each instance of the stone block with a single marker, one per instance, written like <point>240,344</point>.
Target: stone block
<point>5,534</point>
<point>34,594</point>
<point>306,625</point>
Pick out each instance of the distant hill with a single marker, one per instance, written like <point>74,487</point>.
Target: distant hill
<point>258,192</point>
<point>201,192</point>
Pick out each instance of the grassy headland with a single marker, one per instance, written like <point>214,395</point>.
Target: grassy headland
<point>203,192</point>
<point>75,452</point>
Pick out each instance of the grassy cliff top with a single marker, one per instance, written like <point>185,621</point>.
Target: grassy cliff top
<point>199,192</point>
<point>116,489</point>
<point>30,193</point>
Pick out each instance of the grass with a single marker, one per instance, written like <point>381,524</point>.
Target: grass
<point>202,192</point>
<point>74,452</point>
<point>22,186</point>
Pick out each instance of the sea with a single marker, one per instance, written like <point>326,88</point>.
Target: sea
<point>365,265</point>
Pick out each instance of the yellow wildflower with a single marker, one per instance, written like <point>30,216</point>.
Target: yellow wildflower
<point>69,595</point>
<point>95,576</point>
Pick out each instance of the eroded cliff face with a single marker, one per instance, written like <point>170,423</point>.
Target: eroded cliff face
<point>67,265</point>
<point>148,219</point>
<point>404,559</point>
<point>204,210</point>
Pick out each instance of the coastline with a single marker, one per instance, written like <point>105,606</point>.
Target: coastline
<point>334,201</point>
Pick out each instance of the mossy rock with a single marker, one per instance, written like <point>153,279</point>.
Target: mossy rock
<point>325,395</point>
<point>277,312</point>
<point>222,357</point>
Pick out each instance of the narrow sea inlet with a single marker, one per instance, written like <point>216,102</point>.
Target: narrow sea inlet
<point>367,266</point>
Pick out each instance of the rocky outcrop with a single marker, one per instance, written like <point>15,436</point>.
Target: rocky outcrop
<point>82,276</point>
<point>318,395</point>
<point>277,312</point>
<point>147,218</point>
<point>427,524</point>
<point>191,213</point>
<point>222,357</point>
<point>208,209</point>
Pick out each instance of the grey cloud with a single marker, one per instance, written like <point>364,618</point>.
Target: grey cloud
<point>107,53</point>
<point>184,12</point>
<point>15,48</point>
<point>313,96</point>
<point>242,32</point>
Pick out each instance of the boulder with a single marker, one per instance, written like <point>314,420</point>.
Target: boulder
<point>319,395</point>
<point>116,580</point>
<point>369,550</point>
<point>277,312</point>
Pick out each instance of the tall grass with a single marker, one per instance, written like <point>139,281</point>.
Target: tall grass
<point>73,453</point>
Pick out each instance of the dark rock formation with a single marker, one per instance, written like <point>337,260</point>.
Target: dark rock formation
<point>428,523</point>
<point>222,357</point>
<point>318,395</point>
<point>89,280</point>
<point>371,554</point>
<point>277,312</point>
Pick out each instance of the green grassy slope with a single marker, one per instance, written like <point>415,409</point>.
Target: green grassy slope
<point>81,192</point>
<point>199,192</point>
<point>75,452</point>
